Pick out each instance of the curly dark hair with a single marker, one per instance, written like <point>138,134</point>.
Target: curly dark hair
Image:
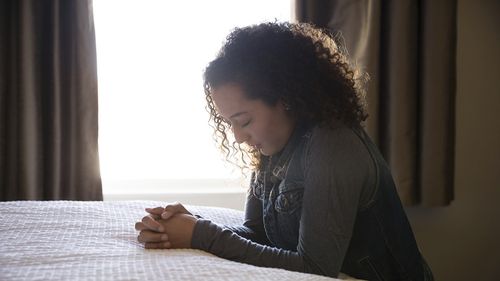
<point>294,63</point>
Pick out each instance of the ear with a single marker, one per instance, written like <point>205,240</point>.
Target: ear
<point>285,104</point>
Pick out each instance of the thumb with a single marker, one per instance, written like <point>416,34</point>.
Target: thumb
<point>155,211</point>
<point>172,209</point>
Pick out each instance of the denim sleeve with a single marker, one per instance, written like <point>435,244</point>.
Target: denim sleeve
<point>337,169</point>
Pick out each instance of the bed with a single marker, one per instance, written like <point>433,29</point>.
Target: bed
<point>74,240</point>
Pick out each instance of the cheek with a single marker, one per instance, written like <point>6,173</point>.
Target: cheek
<point>267,132</point>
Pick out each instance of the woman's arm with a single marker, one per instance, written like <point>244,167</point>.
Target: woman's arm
<point>338,168</point>
<point>339,173</point>
<point>227,244</point>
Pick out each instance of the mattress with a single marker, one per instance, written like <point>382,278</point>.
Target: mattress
<point>74,240</point>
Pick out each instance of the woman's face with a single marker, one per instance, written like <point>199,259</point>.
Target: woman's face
<point>266,128</point>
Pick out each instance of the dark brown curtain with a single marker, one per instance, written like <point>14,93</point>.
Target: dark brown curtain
<point>408,49</point>
<point>48,101</point>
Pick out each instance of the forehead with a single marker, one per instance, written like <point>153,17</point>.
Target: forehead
<point>230,91</point>
<point>230,99</point>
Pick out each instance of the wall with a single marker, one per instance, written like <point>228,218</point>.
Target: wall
<point>462,241</point>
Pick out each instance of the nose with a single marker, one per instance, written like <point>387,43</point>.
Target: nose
<point>239,135</point>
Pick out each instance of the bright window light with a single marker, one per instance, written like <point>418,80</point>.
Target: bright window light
<point>151,55</point>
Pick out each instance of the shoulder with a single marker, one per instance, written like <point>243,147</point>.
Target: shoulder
<point>337,138</point>
<point>339,165</point>
<point>338,149</point>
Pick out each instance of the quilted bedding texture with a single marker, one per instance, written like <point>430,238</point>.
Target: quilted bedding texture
<point>74,240</point>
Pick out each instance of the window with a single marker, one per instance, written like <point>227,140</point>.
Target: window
<point>151,56</point>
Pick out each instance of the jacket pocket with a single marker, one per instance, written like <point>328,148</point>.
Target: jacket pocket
<point>289,198</point>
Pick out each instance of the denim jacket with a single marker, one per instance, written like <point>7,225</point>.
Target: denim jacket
<point>327,203</point>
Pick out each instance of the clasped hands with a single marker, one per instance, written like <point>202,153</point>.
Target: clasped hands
<point>166,228</point>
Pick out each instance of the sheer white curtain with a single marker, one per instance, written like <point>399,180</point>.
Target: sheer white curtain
<point>151,55</point>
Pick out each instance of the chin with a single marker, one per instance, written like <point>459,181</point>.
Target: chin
<point>266,152</point>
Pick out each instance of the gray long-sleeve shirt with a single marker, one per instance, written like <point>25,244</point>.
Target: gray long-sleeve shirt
<point>338,178</point>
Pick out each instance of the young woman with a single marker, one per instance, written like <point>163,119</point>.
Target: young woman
<point>321,198</point>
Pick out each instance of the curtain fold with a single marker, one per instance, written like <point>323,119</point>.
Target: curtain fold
<point>408,49</point>
<point>48,101</point>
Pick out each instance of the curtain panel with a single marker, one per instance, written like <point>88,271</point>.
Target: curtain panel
<point>408,49</point>
<point>48,101</point>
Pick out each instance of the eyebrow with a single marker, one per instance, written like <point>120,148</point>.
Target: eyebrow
<point>237,114</point>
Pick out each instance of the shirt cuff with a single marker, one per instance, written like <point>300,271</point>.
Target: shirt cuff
<point>204,232</point>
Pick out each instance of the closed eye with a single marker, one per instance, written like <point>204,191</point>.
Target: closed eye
<point>246,123</point>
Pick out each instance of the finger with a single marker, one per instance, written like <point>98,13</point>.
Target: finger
<point>167,214</point>
<point>150,236</point>
<point>155,211</point>
<point>159,245</point>
<point>140,226</point>
<point>152,224</point>
<point>173,209</point>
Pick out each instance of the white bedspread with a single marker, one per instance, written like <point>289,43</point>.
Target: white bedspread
<point>72,240</point>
